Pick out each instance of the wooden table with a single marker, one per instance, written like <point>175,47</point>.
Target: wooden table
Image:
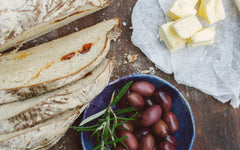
<point>217,124</point>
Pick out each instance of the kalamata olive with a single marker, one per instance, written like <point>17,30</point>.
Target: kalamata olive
<point>143,87</point>
<point>147,142</point>
<point>138,117</point>
<point>131,141</point>
<point>123,103</point>
<point>171,120</point>
<point>127,126</point>
<point>163,99</point>
<point>139,133</point>
<point>165,145</point>
<point>160,128</point>
<point>148,101</point>
<point>135,100</point>
<point>151,115</point>
<point>171,139</point>
<point>120,147</point>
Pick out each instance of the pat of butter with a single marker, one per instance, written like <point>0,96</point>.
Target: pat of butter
<point>187,26</point>
<point>203,37</point>
<point>212,10</point>
<point>170,38</point>
<point>181,8</point>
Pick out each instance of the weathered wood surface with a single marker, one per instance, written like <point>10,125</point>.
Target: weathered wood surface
<point>217,124</point>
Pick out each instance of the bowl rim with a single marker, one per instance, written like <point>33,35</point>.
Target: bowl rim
<point>158,78</point>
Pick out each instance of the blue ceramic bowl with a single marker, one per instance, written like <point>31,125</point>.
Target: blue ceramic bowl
<point>186,132</point>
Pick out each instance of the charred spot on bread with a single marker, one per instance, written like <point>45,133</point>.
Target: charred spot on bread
<point>87,75</point>
<point>85,48</point>
<point>68,56</point>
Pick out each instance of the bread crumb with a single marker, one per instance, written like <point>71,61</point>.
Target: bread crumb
<point>124,23</point>
<point>145,71</point>
<point>16,50</point>
<point>150,70</point>
<point>131,58</point>
<point>153,71</point>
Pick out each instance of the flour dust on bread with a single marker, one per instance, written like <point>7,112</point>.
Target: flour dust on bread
<point>54,64</point>
<point>38,109</point>
<point>41,136</point>
<point>23,20</point>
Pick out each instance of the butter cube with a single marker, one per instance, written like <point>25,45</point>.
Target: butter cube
<point>181,8</point>
<point>203,37</point>
<point>212,10</point>
<point>187,26</point>
<point>170,38</point>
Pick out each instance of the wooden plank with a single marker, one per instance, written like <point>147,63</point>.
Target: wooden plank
<point>217,124</point>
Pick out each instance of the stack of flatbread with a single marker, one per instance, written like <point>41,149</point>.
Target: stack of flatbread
<point>45,88</point>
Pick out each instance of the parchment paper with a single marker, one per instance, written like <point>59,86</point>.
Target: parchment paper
<point>213,69</point>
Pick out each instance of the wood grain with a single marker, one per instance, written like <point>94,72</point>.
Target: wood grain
<point>217,124</point>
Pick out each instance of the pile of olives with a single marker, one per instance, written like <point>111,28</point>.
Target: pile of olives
<point>154,125</point>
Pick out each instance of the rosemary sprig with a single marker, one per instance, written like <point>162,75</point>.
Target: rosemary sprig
<point>104,129</point>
